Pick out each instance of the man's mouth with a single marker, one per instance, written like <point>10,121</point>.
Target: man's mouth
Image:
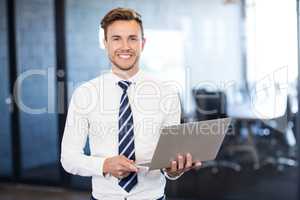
<point>124,56</point>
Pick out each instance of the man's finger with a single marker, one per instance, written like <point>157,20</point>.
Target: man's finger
<point>125,174</point>
<point>189,160</point>
<point>180,159</point>
<point>197,165</point>
<point>127,166</point>
<point>173,166</point>
<point>120,173</point>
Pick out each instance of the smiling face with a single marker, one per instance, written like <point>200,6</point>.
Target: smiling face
<point>124,44</point>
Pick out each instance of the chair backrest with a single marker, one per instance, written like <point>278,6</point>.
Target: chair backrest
<point>210,105</point>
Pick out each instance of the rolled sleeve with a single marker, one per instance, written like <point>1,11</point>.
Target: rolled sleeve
<point>172,178</point>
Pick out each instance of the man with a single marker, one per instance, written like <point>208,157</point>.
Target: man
<point>121,113</point>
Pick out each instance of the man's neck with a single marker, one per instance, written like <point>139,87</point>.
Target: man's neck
<point>125,74</point>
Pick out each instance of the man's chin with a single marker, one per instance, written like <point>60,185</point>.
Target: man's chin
<point>125,68</point>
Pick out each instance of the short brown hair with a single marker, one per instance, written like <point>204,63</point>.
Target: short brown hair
<point>121,14</point>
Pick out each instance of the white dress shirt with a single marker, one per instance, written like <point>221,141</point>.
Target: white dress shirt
<point>93,113</point>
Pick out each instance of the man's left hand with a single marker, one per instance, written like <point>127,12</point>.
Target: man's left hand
<point>182,164</point>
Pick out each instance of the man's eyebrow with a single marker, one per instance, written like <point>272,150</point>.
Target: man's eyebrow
<point>131,36</point>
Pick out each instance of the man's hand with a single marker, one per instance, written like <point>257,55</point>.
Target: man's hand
<point>119,166</point>
<point>182,164</point>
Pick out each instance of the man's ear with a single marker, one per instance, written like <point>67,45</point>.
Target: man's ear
<point>104,43</point>
<point>143,43</point>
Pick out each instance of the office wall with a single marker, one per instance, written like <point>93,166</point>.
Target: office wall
<point>5,136</point>
<point>85,59</point>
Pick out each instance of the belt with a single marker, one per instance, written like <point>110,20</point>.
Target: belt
<point>161,198</point>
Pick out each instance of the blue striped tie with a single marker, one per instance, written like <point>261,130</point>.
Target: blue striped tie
<point>126,136</point>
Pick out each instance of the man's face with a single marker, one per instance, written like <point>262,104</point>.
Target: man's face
<point>124,44</point>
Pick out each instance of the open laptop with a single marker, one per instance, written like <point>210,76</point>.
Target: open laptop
<point>202,139</point>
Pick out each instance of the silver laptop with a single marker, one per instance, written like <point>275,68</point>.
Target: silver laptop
<point>202,139</point>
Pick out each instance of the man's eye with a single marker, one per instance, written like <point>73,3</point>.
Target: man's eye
<point>133,39</point>
<point>115,39</point>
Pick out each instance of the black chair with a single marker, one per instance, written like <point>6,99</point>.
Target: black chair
<point>209,105</point>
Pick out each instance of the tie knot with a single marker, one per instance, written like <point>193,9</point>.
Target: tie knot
<point>124,85</point>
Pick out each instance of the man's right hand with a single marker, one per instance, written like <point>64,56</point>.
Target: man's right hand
<point>119,166</point>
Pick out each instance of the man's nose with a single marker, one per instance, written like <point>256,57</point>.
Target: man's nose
<point>125,45</point>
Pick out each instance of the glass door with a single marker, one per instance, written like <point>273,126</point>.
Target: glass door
<point>35,39</point>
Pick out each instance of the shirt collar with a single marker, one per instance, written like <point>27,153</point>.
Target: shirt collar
<point>134,79</point>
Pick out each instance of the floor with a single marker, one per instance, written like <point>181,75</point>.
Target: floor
<point>264,184</point>
<point>27,192</point>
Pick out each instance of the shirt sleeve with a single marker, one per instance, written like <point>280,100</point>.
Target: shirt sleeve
<point>74,139</point>
<point>172,178</point>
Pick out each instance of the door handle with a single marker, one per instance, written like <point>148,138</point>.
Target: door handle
<point>9,103</point>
